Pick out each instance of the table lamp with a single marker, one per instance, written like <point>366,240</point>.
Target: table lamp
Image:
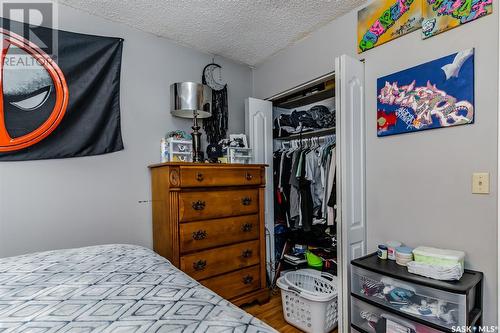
<point>191,100</point>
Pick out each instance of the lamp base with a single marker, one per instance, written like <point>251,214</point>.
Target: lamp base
<point>196,135</point>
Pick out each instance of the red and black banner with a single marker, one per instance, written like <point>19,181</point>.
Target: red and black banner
<point>62,103</point>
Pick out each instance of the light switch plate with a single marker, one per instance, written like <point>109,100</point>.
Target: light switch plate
<point>480,183</point>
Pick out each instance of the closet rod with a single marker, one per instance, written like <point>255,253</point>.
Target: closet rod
<point>299,142</point>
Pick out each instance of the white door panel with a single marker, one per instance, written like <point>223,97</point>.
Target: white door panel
<point>351,219</point>
<point>259,128</point>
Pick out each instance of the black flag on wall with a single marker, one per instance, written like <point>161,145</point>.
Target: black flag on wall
<point>59,94</point>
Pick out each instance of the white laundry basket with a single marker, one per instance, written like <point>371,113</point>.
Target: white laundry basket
<point>309,300</point>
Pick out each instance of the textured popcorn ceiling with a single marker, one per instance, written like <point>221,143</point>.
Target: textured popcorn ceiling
<point>243,30</point>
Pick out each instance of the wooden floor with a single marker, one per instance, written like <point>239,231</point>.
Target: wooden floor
<point>272,314</point>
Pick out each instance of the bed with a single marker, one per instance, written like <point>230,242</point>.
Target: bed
<point>110,288</point>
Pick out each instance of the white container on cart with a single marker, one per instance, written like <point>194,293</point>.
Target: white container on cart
<point>439,257</point>
<point>310,300</point>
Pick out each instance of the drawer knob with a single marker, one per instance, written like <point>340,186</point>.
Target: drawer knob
<point>199,205</point>
<point>246,201</point>
<point>247,253</point>
<point>199,177</point>
<point>200,235</point>
<point>247,279</point>
<point>247,227</point>
<point>199,265</point>
<point>249,176</point>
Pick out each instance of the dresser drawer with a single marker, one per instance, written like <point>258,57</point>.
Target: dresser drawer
<point>209,263</point>
<point>196,206</point>
<point>196,236</point>
<point>235,284</point>
<point>200,177</point>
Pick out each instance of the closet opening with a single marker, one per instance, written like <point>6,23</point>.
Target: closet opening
<point>315,206</point>
<point>304,234</point>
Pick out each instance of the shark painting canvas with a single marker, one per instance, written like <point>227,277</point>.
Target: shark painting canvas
<point>436,94</point>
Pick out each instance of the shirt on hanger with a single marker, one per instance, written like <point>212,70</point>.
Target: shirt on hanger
<point>313,174</point>
<point>331,188</point>
<point>294,190</point>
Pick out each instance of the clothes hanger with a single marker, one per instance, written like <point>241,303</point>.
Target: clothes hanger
<point>309,143</point>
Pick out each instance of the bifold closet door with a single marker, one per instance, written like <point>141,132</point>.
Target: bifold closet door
<point>350,94</point>
<point>259,128</point>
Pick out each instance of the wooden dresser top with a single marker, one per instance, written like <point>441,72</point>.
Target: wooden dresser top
<point>206,165</point>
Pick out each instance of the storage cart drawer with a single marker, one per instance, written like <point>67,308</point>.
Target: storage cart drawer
<point>369,318</point>
<point>199,177</point>
<point>176,146</point>
<point>235,284</point>
<point>181,157</point>
<point>197,206</point>
<point>212,233</point>
<point>205,264</point>
<point>435,306</point>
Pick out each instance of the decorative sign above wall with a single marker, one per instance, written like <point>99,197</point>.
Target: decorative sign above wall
<point>436,94</point>
<point>385,20</point>
<point>442,15</point>
<point>58,103</point>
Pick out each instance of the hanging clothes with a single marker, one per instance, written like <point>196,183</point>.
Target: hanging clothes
<point>332,189</point>
<point>284,184</point>
<point>328,162</point>
<point>305,196</point>
<point>304,179</point>
<point>313,175</point>
<point>295,220</point>
<point>280,209</point>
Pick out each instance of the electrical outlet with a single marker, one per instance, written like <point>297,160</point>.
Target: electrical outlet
<point>480,183</point>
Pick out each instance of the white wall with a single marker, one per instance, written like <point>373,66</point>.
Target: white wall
<point>418,185</point>
<point>93,200</point>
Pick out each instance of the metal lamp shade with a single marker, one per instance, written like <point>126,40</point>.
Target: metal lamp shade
<point>188,99</point>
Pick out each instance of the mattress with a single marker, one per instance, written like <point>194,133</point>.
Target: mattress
<point>110,288</point>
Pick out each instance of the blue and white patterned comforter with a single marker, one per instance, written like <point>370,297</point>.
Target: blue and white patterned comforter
<point>110,288</point>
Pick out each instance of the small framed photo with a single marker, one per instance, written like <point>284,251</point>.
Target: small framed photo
<point>238,140</point>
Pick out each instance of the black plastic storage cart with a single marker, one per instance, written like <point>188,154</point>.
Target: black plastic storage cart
<point>385,297</point>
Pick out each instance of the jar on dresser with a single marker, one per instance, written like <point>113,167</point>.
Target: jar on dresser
<point>208,220</point>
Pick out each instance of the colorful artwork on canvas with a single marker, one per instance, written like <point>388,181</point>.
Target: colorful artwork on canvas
<point>436,94</point>
<point>442,15</point>
<point>385,20</point>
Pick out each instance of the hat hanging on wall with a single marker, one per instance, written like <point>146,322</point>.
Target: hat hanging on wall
<point>216,126</point>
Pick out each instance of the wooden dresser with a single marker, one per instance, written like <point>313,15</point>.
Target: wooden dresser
<point>208,220</point>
